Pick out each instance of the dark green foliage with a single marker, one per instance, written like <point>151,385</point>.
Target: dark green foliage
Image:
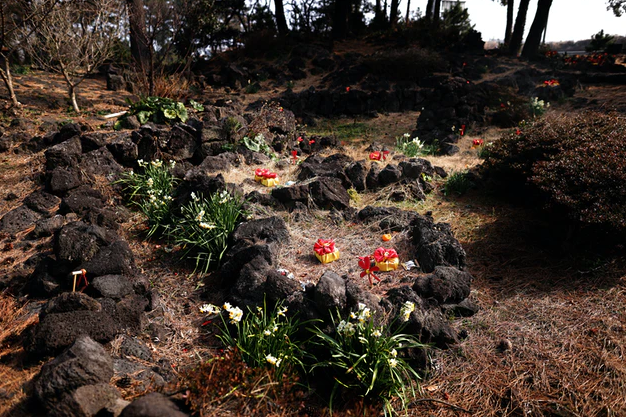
<point>574,164</point>
<point>599,42</point>
<point>155,109</point>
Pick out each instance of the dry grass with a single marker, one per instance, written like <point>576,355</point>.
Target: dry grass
<point>15,318</point>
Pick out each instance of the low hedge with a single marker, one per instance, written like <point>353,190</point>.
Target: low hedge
<point>575,165</point>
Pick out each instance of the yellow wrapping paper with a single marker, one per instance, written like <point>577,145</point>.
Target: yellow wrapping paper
<point>328,257</point>
<point>269,182</point>
<point>390,265</point>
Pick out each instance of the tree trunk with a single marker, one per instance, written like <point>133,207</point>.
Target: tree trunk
<point>408,8</point>
<point>5,73</point>
<point>139,45</point>
<point>518,29</point>
<point>509,21</point>
<point>393,15</point>
<point>429,10</point>
<point>71,89</point>
<point>340,19</point>
<point>437,11</point>
<point>531,47</point>
<point>281,22</point>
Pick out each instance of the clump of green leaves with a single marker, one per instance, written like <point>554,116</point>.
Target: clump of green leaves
<point>151,191</point>
<point>368,359</point>
<point>265,337</point>
<point>257,143</point>
<point>155,109</point>
<point>457,183</point>
<point>204,226</point>
<point>415,147</point>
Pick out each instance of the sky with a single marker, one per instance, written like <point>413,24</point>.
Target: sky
<point>569,20</point>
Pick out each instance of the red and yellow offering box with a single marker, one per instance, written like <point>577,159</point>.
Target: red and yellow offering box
<point>325,250</point>
<point>265,177</point>
<point>386,259</point>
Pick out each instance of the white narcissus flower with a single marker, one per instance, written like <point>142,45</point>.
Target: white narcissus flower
<point>393,362</point>
<point>209,309</point>
<point>377,333</point>
<point>273,360</point>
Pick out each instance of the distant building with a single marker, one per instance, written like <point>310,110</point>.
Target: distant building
<point>448,4</point>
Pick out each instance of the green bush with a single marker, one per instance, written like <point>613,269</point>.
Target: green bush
<point>151,191</point>
<point>155,109</point>
<point>368,359</point>
<point>573,164</point>
<point>205,225</point>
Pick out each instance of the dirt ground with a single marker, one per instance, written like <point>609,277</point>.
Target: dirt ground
<point>550,338</point>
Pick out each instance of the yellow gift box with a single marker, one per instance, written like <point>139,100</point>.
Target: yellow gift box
<point>269,182</point>
<point>328,257</point>
<point>388,265</point>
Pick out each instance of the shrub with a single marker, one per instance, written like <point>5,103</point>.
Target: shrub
<point>265,337</point>
<point>205,225</point>
<point>367,358</point>
<point>151,191</point>
<point>574,164</point>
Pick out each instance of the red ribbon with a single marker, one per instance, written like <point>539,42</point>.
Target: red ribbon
<point>324,246</point>
<point>383,255</point>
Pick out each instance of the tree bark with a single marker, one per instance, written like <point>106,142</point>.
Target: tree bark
<point>408,8</point>
<point>518,29</point>
<point>437,11</point>
<point>429,10</point>
<point>139,44</point>
<point>5,73</point>
<point>393,15</point>
<point>281,22</point>
<point>531,46</point>
<point>509,21</point>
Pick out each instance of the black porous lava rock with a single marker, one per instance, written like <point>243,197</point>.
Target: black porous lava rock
<point>85,362</point>
<point>330,293</point>
<point>42,202</point>
<point>436,244</point>
<point>415,167</point>
<point>111,286</point>
<point>62,179</point>
<point>270,229</point>
<point>357,172</point>
<point>58,331</point>
<point>82,200</point>
<point>445,284</point>
<point>69,301</point>
<point>65,154</point>
<point>329,193</point>
<point>389,175</point>
<point>18,219</point>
